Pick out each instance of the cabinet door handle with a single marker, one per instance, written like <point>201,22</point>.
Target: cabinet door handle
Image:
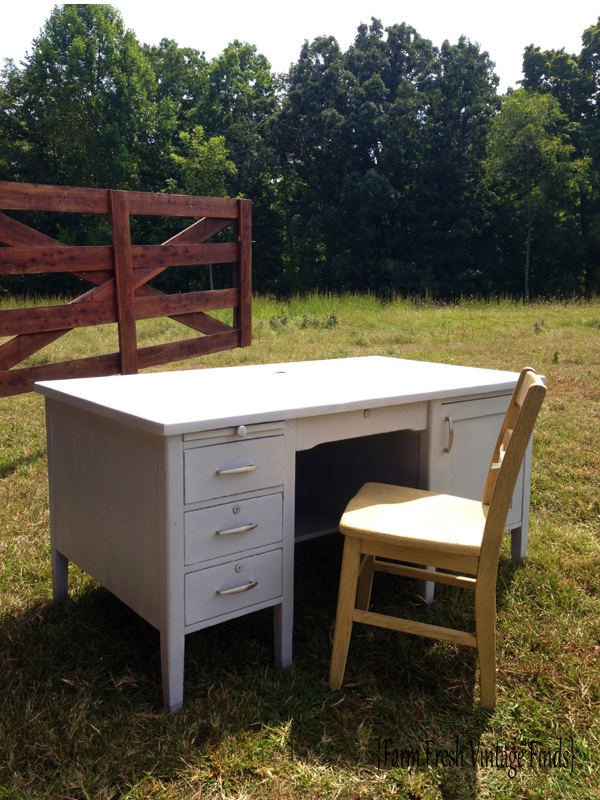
<point>450,435</point>
<point>237,589</point>
<point>241,529</point>
<point>238,470</point>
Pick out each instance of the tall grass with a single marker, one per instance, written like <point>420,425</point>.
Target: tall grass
<point>80,713</point>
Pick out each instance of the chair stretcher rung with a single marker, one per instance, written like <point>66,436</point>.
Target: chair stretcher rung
<point>421,574</point>
<point>417,628</point>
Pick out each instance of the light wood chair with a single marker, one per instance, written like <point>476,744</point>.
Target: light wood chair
<point>445,532</point>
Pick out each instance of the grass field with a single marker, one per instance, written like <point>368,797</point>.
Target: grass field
<point>80,702</point>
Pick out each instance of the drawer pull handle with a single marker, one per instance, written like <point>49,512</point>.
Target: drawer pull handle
<point>238,470</point>
<point>237,589</point>
<point>242,529</point>
<point>448,448</point>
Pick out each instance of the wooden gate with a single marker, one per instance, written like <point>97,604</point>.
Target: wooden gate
<point>120,274</point>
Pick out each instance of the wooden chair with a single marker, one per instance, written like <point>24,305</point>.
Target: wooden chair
<point>449,533</point>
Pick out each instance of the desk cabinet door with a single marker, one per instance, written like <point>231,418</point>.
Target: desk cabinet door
<point>468,429</point>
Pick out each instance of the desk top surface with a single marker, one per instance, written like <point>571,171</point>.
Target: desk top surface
<point>173,403</point>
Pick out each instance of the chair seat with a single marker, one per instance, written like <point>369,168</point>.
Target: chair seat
<point>414,518</point>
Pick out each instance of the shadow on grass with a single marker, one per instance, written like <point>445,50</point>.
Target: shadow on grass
<point>81,709</point>
<point>10,467</point>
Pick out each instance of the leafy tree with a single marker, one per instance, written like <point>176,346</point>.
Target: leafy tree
<point>182,76</point>
<point>349,133</point>
<point>180,83</point>
<point>574,80</point>
<point>13,143</point>
<point>309,134</point>
<point>382,146</point>
<point>81,107</point>
<point>239,98</point>
<point>393,69</point>
<point>240,85</point>
<point>531,159</point>
<point>452,199</point>
<point>203,166</point>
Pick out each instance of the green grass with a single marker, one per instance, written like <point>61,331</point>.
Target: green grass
<point>80,713</point>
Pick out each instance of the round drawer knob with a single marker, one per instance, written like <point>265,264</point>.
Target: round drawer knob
<point>241,430</point>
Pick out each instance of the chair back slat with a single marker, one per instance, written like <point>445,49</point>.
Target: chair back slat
<point>523,387</point>
<point>507,458</point>
<point>526,378</point>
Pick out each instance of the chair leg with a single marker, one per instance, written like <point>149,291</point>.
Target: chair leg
<point>345,607</point>
<point>485,621</point>
<point>365,583</point>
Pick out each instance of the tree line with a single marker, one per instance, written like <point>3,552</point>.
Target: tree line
<point>393,167</point>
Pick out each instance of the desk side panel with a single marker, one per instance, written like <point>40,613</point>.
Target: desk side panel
<point>107,502</point>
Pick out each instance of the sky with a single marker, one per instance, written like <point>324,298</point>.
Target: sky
<point>278,29</point>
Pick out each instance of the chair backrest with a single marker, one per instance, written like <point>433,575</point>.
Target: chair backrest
<point>507,458</point>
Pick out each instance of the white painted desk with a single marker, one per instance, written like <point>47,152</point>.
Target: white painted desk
<point>183,493</point>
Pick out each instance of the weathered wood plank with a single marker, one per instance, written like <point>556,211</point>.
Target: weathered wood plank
<point>188,348</point>
<point>176,205</point>
<point>81,315</point>
<point>15,321</point>
<point>202,322</point>
<point>20,347</point>
<point>15,233</point>
<point>166,305</point>
<point>23,346</point>
<point>178,255</point>
<point>17,381</point>
<point>40,197</point>
<point>124,297</point>
<point>243,313</point>
<point>31,260</point>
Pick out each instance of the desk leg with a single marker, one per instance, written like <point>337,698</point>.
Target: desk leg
<point>172,652</point>
<point>282,623</point>
<point>426,589</point>
<point>283,613</point>
<point>519,536</point>
<point>60,574</point>
<point>518,542</point>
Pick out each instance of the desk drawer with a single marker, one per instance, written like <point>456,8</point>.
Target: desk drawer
<point>230,468</point>
<point>233,527</point>
<point>226,588</point>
